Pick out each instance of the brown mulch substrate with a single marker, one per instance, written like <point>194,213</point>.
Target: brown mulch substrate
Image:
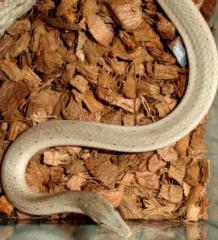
<point>111,63</point>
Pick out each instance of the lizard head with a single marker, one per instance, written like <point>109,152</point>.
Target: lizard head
<point>103,213</point>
